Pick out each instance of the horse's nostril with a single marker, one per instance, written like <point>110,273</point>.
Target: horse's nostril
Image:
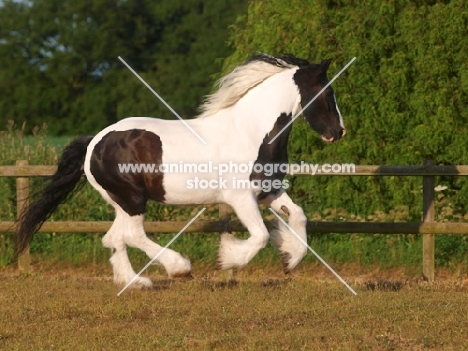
<point>328,139</point>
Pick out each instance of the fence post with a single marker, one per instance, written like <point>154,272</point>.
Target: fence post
<point>22,202</point>
<point>225,217</point>
<point>429,217</point>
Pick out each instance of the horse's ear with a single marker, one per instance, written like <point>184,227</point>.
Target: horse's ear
<point>325,64</point>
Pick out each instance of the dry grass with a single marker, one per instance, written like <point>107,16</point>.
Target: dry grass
<point>261,310</point>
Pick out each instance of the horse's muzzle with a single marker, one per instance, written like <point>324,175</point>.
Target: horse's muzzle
<point>330,138</point>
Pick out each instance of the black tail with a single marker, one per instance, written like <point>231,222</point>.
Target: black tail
<point>61,185</point>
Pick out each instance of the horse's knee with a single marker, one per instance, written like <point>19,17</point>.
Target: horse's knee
<point>107,241</point>
<point>135,235</point>
<point>296,215</point>
<point>301,218</point>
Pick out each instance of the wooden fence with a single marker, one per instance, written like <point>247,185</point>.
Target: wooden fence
<point>428,228</point>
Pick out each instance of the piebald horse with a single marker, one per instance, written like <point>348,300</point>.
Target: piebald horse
<point>252,106</point>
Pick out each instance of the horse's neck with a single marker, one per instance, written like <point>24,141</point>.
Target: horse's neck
<point>255,114</point>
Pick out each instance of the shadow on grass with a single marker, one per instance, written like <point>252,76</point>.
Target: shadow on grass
<point>384,285</point>
<point>219,285</point>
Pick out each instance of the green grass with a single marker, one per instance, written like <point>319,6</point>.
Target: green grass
<point>364,252</point>
<point>68,310</point>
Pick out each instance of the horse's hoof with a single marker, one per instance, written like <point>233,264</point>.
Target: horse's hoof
<point>285,258</point>
<point>183,276</point>
<point>138,283</point>
<point>142,283</point>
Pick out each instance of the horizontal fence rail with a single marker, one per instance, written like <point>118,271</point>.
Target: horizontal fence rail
<point>428,228</point>
<point>360,170</point>
<point>235,226</point>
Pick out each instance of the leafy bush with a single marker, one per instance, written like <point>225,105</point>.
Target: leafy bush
<point>404,100</point>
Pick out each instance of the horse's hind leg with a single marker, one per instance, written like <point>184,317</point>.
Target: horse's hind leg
<point>237,253</point>
<point>122,268</point>
<point>175,264</point>
<point>291,247</point>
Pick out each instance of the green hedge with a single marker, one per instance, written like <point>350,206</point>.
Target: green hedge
<point>404,99</point>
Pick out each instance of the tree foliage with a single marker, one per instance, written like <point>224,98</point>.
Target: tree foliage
<point>60,59</point>
<point>404,99</point>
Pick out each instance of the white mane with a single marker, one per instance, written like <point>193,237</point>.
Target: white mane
<point>236,84</point>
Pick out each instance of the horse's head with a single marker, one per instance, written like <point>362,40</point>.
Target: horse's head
<point>322,114</point>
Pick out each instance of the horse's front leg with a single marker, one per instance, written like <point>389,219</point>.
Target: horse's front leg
<point>291,247</point>
<point>235,252</point>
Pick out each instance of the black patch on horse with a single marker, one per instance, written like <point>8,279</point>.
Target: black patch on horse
<point>321,115</point>
<point>274,153</point>
<point>130,190</point>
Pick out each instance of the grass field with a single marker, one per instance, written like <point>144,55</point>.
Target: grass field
<point>260,310</point>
